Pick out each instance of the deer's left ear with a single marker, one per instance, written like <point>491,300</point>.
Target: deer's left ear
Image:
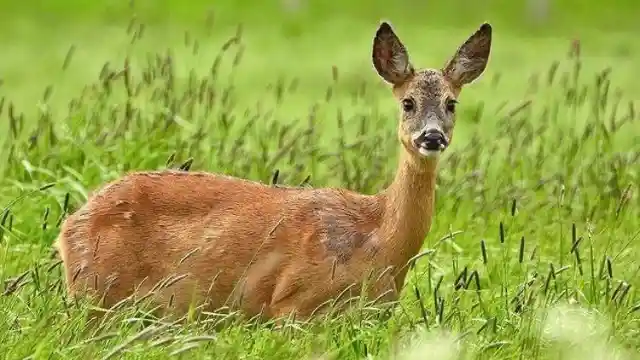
<point>390,57</point>
<point>471,58</point>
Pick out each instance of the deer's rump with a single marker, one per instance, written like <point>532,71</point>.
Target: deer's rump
<point>199,237</point>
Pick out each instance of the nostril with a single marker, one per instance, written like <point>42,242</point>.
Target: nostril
<point>422,139</point>
<point>422,136</point>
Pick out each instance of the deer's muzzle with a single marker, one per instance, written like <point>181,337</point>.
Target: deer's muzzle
<point>430,142</point>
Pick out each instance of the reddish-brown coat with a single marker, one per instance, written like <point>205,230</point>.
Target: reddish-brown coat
<point>223,241</point>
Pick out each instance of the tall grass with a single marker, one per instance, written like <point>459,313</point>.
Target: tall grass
<point>533,249</point>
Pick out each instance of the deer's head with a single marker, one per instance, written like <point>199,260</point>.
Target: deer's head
<point>428,97</point>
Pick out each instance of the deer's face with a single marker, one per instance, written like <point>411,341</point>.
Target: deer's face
<point>427,112</point>
<point>427,98</point>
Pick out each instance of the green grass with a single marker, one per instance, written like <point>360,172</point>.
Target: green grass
<point>535,241</point>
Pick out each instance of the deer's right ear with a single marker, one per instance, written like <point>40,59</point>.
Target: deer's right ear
<point>390,57</point>
<point>471,58</point>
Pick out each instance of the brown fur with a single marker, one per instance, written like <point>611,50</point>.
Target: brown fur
<point>225,241</point>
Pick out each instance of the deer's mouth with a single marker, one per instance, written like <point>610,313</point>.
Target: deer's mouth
<point>430,153</point>
<point>430,143</point>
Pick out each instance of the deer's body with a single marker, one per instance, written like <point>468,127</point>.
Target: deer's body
<point>266,249</point>
<point>199,238</point>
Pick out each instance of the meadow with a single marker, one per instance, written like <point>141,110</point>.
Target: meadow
<point>534,247</point>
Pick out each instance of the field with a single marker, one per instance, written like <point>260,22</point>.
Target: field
<point>534,249</point>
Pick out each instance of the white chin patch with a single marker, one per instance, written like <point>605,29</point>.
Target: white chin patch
<point>428,153</point>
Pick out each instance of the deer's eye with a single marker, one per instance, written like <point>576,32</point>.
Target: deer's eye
<point>408,105</point>
<point>451,105</point>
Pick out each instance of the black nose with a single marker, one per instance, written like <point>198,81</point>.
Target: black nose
<point>431,140</point>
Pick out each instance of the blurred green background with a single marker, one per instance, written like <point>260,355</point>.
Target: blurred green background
<point>570,15</point>
<point>304,38</point>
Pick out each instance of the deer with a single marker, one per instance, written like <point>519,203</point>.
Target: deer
<point>213,240</point>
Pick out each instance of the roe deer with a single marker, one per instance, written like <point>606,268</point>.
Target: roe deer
<point>272,251</point>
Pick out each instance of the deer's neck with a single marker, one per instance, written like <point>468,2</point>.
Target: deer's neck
<point>408,211</point>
